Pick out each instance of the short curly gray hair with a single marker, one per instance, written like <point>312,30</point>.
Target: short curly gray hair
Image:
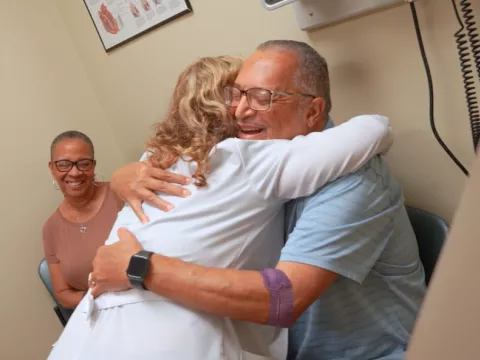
<point>312,75</point>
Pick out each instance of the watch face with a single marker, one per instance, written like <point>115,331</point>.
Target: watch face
<point>138,266</point>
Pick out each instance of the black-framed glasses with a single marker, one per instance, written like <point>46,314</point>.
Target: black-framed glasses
<point>258,99</point>
<point>67,165</point>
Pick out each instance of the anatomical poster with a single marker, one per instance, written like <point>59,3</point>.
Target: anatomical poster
<point>118,21</point>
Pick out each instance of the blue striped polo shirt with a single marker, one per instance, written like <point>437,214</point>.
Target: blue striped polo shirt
<point>358,228</point>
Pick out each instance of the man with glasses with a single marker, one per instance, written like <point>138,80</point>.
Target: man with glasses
<point>258,99</point>
<point>349,273</point>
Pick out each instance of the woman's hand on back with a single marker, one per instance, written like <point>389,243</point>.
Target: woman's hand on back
<point>137,182</point>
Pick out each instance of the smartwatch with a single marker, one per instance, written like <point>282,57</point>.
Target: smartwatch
<point>138,268</point>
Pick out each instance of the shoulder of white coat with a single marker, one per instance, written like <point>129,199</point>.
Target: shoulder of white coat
<point>261,156</point>
<point>381,124</point>
<point>372,117</point>
<point>255,145</point>
<point>146,155</point>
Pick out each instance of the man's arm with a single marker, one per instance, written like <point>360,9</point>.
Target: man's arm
<point>237,294</point>
<point>343,232</point>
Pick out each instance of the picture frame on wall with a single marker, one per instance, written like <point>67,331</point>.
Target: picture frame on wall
<point>120,21</point>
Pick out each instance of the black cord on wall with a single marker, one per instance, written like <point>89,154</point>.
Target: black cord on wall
<point>430,91</point>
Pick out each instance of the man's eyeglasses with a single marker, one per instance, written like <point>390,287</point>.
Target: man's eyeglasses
<point>67,165</point>
<point>257,98</point>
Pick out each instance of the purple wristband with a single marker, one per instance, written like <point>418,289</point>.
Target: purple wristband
<point>280,313</point>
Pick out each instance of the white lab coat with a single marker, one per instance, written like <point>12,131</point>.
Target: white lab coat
<point>236,221</point>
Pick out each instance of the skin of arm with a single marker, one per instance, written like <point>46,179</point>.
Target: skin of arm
<point>68,297</point>
<point>237,294</point>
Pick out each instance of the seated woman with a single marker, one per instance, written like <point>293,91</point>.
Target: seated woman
<point>232,219</point>
<point>83,220</point>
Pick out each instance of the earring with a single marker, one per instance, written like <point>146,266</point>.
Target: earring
<point>55,185</point>
<point>96,181</point>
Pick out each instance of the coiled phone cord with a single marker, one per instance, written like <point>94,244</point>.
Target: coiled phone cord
<point>430,90</point>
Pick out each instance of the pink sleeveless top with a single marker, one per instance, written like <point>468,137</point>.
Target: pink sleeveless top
<point>74,250</point>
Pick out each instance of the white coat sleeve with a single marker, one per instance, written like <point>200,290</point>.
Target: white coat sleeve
<point>291,169</point>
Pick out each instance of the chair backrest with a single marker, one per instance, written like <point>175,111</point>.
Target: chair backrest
<point>431,231</point>
<point>44,273</point>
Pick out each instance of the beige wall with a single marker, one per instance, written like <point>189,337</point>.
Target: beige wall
<point>375,65</point>
<point>44,90</point>
<point>56,75</point>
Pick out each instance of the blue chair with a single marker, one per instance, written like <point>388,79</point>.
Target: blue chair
<point>431,231</point>
<point>63,314</point>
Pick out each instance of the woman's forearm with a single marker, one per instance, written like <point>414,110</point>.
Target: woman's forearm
<point>70,298</point>
<point>67,296</point>
<point>237,294</point>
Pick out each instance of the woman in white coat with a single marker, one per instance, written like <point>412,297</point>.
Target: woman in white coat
<point>232,219</point>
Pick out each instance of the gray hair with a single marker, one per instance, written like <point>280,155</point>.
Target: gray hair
<point>312,74</point>
<point>71,134</point>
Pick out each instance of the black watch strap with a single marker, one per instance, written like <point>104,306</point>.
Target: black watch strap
<point>138,269</point>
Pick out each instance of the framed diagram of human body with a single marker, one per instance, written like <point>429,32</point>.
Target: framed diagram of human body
<point>119,21</point>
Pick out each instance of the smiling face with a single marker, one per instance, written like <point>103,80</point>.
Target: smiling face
<point>74,183</point>
<point>273,70</point>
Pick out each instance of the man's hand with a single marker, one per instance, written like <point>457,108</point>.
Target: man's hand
<point>138,182</point>
<point>111,263</point>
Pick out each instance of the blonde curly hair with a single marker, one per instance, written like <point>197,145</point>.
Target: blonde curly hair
<point>198,118</point>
